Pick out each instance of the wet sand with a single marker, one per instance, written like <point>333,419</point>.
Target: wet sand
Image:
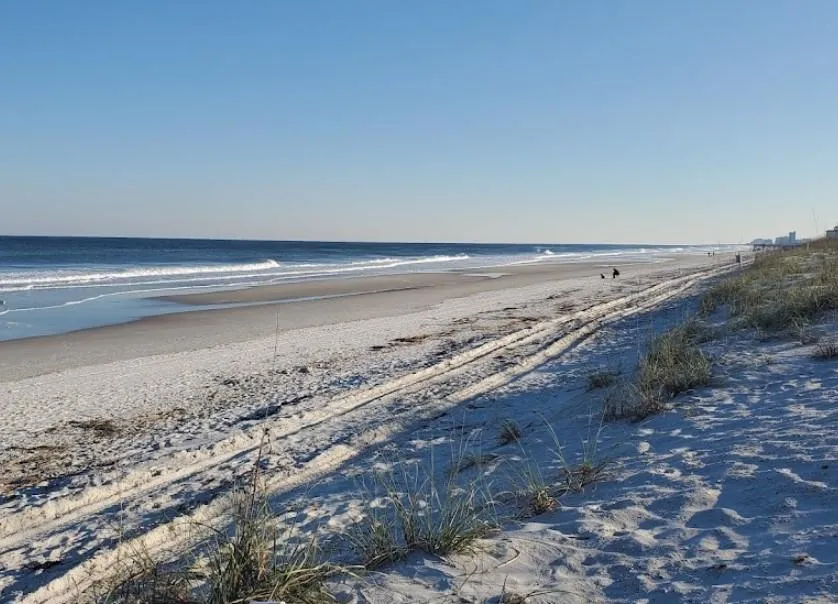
<point>284,307</point>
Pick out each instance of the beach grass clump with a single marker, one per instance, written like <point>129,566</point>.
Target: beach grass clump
<point>633,404</point>
<point>540,485</point>
<point>673,363</point>
<point>254,556</point>
<point>412,509</point>
<point>140,578</point>
<point>262,560</point>
<point>533,491</point>
<point>577,478</point>
<point>255,560</point>
<point>375,538</point>
<point>601,379</point>
<point>590,467</point>
<point>510,432</point>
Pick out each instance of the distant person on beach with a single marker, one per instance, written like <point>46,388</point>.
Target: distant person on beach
<point>602,275</point>
<point>615,274</point>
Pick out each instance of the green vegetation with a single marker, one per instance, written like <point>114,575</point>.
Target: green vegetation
<point>673,363</point>
<point>780,293</point>
<point>409,510</point>
<point>256,560</point>
<point>781,290</point>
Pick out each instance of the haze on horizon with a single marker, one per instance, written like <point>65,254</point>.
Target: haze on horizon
<point>566,122</point>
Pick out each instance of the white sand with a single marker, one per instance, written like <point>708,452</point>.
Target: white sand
<point>730,500</point>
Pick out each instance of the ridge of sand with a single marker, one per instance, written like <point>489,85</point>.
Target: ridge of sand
<point>143,493</point>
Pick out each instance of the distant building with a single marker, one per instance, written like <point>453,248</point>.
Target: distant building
<point>790,240</point>
<point>832,233</point>
<point>785,241</point>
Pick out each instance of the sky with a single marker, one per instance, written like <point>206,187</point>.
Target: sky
<point>536,121</point>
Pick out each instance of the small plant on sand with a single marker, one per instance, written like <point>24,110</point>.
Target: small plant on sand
<point>826,349</point>
<point>532,490</point>
<point>510,432</point>
<point>255,559</point>
<point>140,578</point>
<point>601,379</point>
<point>540,494</point>
<point>633,404</point>
<point>590,468</point>
<point>261,560</point>
<point>413,511</point>
<point>673,364</point>
<point>375,538</point>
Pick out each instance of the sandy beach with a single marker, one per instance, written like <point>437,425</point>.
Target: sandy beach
<point>302,305</point>
<point>137,433</point>
<point>418,303</point>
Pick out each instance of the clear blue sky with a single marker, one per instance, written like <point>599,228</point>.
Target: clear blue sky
<point>554,121</point>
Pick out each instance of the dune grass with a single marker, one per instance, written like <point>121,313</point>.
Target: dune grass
<point>673,363</point>
<point>262,560</point>
<point>410,509</point>
<point>535,494</point>
<point>780,291</point>
<point>254,557</point>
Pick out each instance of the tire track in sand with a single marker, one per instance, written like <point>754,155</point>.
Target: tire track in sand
<point>549,345</point>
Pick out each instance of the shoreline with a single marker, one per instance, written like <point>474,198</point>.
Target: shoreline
<point>265,314</point>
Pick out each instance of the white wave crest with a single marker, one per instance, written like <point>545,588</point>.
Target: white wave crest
<point>155,275</point>
<point>77,278</point>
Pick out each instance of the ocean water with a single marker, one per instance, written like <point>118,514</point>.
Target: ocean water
<point>51,285</point>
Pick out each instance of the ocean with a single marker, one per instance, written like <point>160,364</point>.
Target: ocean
<point>51,285</point>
